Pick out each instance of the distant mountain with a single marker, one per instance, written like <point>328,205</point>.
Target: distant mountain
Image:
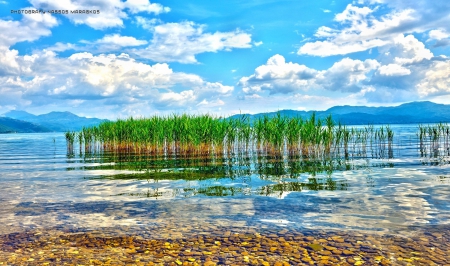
<point>20,115</point>
<point>9,125</point>
<point>415,112</point>
<point>54,121</point>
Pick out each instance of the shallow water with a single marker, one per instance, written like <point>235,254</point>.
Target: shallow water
<point>44,189</point>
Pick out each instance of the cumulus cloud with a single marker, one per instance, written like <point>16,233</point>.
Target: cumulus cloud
<point>181,42</point>
<point>406,50</point>
<point>440,36</point>
<point>213,103</point>
<point>347,75</point>
<point>360,31</point>
<point>403,62</point>
<point>405,71</point>
<point>112,12</point>
<point>360,28</point>
<point>277,76</point>
<point>436,80</point>
<point>403,76</point>
<point>8,62</point>
<point>394,70</point>
<point>429,14</point>
<point>147,24</point>
<point>29,28</point>
<point>122,41</point>
<point>137,6</point>
<point>61,47</point>
<point>84,79</point>
<point>171,42</point>
<point>328,48</point>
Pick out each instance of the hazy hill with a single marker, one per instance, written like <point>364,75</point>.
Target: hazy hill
<point>9,125</point>
<point>415,112</point>
<point>20,115</point>
<point>54,121</point>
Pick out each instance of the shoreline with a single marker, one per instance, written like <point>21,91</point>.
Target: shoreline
<point>276,246</point>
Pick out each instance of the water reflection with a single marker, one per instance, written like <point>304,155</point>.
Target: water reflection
<point>42,186</point>
<point>239,175</point>
<point>214,190</point>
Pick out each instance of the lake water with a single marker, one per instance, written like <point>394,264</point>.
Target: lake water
<point>47,193</point>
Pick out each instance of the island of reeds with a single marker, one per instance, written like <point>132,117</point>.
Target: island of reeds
<point>206,135</point>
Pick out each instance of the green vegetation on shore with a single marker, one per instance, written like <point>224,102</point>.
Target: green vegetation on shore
<point>9,125</point>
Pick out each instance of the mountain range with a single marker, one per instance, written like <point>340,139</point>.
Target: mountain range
<point>414,112</point>
<point>24,122</point>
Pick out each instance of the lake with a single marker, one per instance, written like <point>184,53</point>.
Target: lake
<point>242,209</point>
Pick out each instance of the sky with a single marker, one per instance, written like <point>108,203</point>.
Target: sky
<point>141,58</point>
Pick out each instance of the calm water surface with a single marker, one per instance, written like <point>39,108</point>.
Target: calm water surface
<point>41,187</point>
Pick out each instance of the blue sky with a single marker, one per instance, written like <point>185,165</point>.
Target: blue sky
<point>140,57</point>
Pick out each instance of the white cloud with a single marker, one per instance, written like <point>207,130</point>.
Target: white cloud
<point>148,24</point>
<point>214,103</point>
<point>8,62</point>
<point>277,76</point>
<point>438,34</point>
<point>136,6</point>
<point>29,28</point>
<point>216,87</point>
<point>109,43</point>
<point>361,28</point>
<point>346,75</point>
<point>405,50</point>
<point>436,80</point>
<point>61,47</point>
<point>257,43</point>
<point>401,77</point>
<point>352,14</point>
<point>360,31</point>
<point>328,48</point>
<point>430,14</point>
<point>112,12</point>
<point>122,41</point>
<point>441,36</point>
<point>171,99</point>
<point>113,81</point>
<point>405,69</point>
<point>394,70</point>
<point>181,42</point>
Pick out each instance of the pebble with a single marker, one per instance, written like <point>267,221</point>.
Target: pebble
<point>315,247</point>
<point>218,247</point>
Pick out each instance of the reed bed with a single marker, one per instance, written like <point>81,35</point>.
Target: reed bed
<point>206,135</point>
<point>434,140</point>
